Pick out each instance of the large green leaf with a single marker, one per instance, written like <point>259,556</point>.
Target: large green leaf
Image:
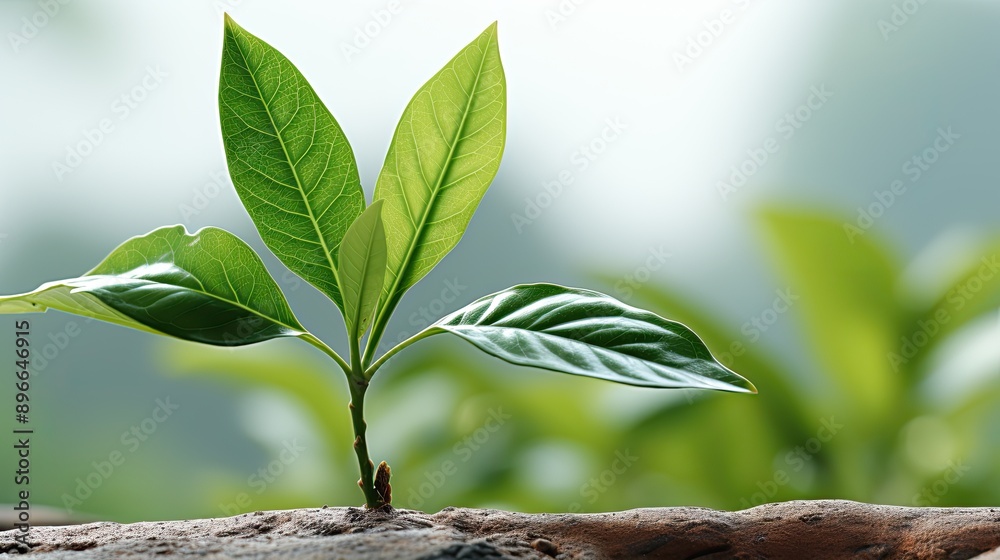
<point>206,287</point>
<point>846,293</point>
<point>289,160</point>
<point>587,333</point>
<point>443,157</point>
<point>362,268</point>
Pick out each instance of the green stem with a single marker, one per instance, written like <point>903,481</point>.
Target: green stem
<point>308,337</point>
<point>359,384</point>
<point>367,480</point>
<point>378,329</point>
<point>420,335</point>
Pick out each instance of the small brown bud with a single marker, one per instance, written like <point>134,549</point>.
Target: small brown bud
<point>382,486</point>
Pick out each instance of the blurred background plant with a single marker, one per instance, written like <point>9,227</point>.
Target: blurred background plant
<point>874,348</point>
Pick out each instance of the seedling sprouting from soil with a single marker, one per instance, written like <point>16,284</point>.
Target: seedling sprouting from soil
<point>295,172</point>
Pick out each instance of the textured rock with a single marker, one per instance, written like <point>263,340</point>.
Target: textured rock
<point>818,529</point>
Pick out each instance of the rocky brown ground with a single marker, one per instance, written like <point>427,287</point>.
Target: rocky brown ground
<point>803,529</point>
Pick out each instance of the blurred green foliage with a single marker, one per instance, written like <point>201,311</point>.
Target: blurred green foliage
<point>861,424</point>
<point>880,413</point>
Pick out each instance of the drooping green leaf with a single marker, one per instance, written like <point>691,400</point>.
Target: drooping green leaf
<point>205,287</point>
<point>289,160</point>
<point>362,268</point>
<point>443,157</point>
<point>587,333</point>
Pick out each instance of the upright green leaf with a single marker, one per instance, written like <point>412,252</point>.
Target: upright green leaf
<point>362,268</point>
<point>205,287</point>
<point>289,160</point>
<point>845,289</point>
<point>443,157</point>
<point>587,333</point>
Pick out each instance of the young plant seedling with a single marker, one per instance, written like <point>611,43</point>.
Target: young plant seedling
<point>296,175</point>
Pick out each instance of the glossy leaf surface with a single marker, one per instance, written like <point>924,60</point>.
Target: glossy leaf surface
<point>205,287</point>
<point>587,333</point>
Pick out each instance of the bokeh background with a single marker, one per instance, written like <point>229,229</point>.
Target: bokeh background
<point>812,186</point>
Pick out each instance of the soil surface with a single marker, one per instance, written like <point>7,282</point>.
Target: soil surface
<point>803,529</point>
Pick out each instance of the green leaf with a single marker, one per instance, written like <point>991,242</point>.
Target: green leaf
<point>362,268</point>
<point>974,292</point>
<point>443,157</point>
<point>587,333</point>
<point>205,287</point>
<point>846,293</point>
<point>289,160</point>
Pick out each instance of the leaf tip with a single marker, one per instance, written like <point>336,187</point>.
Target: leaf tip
<point>490,31</point>
<point>229,23</point>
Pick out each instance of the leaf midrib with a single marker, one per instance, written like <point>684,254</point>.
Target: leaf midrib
<point>593,348</point>
<point>295,173</point>
<point>407,261</point>
<point>355,325</point>
<point>460,330</point>
<point>274,320</point>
